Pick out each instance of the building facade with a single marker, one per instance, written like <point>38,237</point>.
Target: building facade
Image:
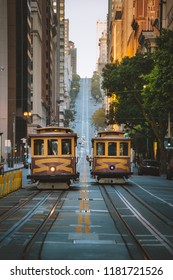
<point>32,69</point>
<point>15,61</point>
<point>67,67</point>
<point>132,27</point>
<point>168,14</point>
<point>60,62</point>
<point>3,76</point>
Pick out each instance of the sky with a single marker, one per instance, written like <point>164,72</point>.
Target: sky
<point>83,15</point>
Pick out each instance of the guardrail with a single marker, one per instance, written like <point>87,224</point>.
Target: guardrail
<point>10,181</point>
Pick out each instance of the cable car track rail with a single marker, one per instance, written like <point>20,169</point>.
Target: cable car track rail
<point>113,210</point>
<point>29,245</point>
<point>145,216</point>
<point>147,224</point>
<point>23,220</point>
<point>22,202</point>
<point>162,217</point>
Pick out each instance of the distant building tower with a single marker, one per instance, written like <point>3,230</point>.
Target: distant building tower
<point>73,53</point>
<point>102,59</point>
<point>101,27</point>
<point>69,64</point>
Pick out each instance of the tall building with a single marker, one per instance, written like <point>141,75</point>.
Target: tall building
<point>70,61</point>
<point>67,66</point>
<point>131,27</point>
<point>102,57</point>
<point>73,55</point>
<point>167,14</point>
<point>115,38</point>
<point>43,63</point>
<point>38,40</point>
<point>31,71</point>
<point>3,76</point>
<point>15,91</point>
<point>146,18</point>
<point>60,62</point>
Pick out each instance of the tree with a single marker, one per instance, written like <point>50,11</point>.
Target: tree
<point>75,88</point>
<point>144,87</point>
<point>98,118</point>
<point>157,95</point>
<point>126,81</point>
<point>95,85</point>
<point>68,117</point>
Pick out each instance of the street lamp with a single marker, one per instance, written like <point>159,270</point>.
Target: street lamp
<point>27,114</point>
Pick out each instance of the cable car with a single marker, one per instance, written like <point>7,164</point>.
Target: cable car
<point>53,157</point>
<point>111,159</point>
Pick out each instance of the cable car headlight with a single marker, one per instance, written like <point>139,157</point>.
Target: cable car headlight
<point>52,169</point>
<point>112,167</point>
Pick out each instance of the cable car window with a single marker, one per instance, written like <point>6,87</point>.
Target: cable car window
<point>52,147</point>
<point>66,146</point>
<point>100,148</point>
<point>123,149</point>
<point>112,149</point>
<point>38,147</point>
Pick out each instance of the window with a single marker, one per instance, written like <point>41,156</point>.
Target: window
<point>66,146</point>
<point>100,148</point>
<point>38,147</point>
<point>123,149</point>
<point>52,147</point>
<point>112,149</point>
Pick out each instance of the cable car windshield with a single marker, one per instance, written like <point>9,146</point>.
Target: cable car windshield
<point>66,146</point>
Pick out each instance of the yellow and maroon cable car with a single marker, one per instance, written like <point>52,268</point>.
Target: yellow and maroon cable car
<point>53,157</point>
<point>111,160</point>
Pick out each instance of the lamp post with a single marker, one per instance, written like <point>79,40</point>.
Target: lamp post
<point>2,68</point>
<point>14,140</point>
<point>27,115</point>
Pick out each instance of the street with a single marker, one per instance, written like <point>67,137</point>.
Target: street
<point>89,221</point>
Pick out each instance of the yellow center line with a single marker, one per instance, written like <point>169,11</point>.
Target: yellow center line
<point>83,220</point>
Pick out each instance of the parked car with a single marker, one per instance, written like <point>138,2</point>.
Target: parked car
<point>169,170</point>
<point>149,167</point>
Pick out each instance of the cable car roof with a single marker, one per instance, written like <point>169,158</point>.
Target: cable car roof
<point>111,134</point>
<point>53,131</point>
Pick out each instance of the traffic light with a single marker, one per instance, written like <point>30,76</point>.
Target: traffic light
<point>169,142</point>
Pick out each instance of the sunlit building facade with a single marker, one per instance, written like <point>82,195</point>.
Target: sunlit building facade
<point>132,27</point>
<point>168,14</point>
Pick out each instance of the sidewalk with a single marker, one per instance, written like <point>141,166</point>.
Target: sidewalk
<point>15,166</point>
